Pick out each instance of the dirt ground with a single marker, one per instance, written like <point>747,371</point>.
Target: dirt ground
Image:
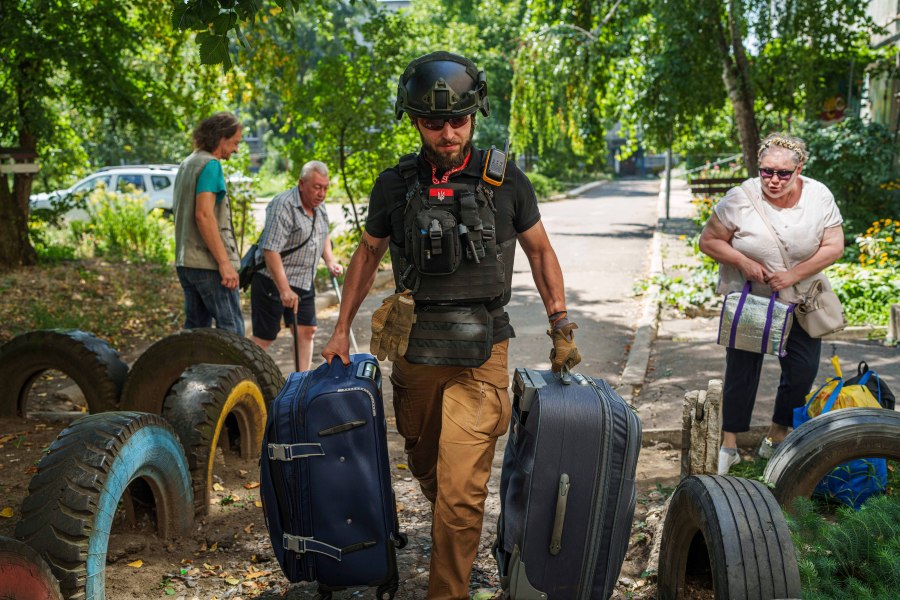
<point>229,556</point>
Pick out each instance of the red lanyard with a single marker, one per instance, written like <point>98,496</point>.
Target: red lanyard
<point>446,176</point>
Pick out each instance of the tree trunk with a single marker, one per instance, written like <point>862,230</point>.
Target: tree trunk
<point>343,167</point>
<point>15,247</point>
<point>736,76</point>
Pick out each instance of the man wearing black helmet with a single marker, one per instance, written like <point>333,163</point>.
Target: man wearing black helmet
<point>451,216</point>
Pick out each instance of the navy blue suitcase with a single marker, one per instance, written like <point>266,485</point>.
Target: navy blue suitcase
<point>567,491</point>
<point>325,479</point>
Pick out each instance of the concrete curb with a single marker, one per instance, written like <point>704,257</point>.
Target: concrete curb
<point>575,192</point>
<point>639,356</point>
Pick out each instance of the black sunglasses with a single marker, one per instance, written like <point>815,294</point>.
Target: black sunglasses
<point>782,174</point>
<point>438,124</point>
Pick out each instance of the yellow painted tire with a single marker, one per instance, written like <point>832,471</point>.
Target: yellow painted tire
<point>213,405</point>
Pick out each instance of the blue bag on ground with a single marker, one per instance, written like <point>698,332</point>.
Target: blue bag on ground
<point>852,482</point>
<point>325,479</point>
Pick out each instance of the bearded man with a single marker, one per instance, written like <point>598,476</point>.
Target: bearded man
<point>451,215</point>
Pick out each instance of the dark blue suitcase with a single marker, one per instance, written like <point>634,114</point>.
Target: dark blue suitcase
<point>325,479</point>
<point>567,491</point>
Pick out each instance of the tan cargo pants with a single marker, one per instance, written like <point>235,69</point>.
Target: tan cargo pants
<point>451,418</point>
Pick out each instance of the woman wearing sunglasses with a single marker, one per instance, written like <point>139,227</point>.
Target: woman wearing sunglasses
<point>807,222</point>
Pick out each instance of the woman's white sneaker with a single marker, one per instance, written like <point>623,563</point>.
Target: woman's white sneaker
<point>727,458</point>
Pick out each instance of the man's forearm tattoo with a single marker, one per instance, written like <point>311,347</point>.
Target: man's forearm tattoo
<point>365,244</point>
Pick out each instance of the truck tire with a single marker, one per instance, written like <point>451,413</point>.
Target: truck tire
<point>735,527</point>
<point>812,450</point>
<point>159,367</point>
<point>199,406</point>
<point>72,499</point>
<point>88,360</point>
<point>24,574</point>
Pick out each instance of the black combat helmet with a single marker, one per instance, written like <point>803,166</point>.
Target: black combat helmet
<point>441,84</point>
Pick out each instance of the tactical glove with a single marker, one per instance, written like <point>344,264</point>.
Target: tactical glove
<point>564,352</point>
<point>391,325</point>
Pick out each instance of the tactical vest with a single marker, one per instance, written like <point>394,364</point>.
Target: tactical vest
<point>459,274</point>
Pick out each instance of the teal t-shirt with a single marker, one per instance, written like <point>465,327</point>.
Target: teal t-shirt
<point>212,180</point>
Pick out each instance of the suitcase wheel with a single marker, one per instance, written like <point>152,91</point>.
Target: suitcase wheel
<point>401,541</point>
<point>387,591</point>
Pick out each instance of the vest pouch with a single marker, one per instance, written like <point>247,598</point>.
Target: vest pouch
<point>451,335</point>
<point>436,247</point>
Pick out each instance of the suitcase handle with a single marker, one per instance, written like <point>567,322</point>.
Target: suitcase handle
<point>559,519</point>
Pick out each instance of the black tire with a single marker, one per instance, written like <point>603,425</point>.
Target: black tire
<point>68,513</point>
<point>812,450</point>
<point>735,527</point>
<point>24,574</point>
<point>159,367</point>
<point>88,360</point>
<point>197,407</point>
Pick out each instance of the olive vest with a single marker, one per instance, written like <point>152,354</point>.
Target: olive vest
<point>459,273</point>
<point>190,249</point>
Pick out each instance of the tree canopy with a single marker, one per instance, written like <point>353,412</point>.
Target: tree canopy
<point>88,84</point>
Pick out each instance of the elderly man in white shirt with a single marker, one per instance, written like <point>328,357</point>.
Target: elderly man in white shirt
<point>294,237</point>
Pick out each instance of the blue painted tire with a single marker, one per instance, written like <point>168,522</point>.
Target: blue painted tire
<point>72,499</point>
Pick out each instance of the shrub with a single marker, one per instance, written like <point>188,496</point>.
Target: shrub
<point>119,228</point>
<point>853,159</point>
<point>544,186</point>
<point>850,555</point>
<point>866,293</point>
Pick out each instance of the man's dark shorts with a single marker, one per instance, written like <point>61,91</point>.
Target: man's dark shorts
<point>267,311</point>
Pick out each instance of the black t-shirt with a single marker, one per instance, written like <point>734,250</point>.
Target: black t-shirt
<point>517,209</point>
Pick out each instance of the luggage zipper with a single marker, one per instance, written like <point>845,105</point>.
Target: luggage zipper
<point>589,564</point>
<point>362,389</point>
<point>630,459</point>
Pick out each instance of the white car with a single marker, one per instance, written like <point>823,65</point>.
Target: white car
<point>156,181</point>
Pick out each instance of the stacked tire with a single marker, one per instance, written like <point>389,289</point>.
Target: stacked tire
<point>812,450</point>
<point>732,531</point>
<point>88,360</point>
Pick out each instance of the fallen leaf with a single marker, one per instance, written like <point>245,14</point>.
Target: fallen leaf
<point>248,528</point>
<point>31,470</point>
<point>6,513</point>
<point>170,591</point>
<point>252,485</point>
<point>257,574</point>
<point>218,487</point>
<point>242,472</point>
<point>232,581</point>
<point>258,504</point>
<point>6,438</point>
<point>214,547</point>
<point>402,466</point>
<point>136,564</point>
<point>401,507</point>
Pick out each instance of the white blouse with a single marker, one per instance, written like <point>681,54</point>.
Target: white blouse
<point>800,229</point>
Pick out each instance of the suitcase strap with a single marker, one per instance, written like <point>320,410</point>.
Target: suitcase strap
<point>288,452</point>
<point>300,544</point>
